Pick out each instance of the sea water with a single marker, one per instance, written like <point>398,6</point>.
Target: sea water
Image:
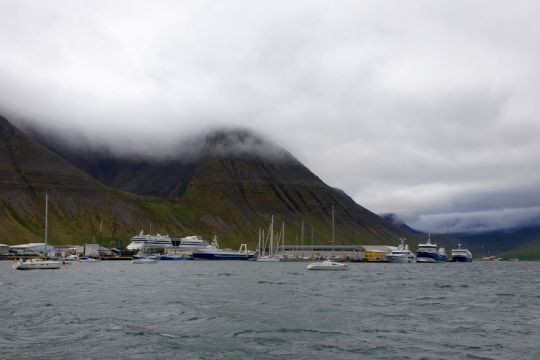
<point>250,310</point>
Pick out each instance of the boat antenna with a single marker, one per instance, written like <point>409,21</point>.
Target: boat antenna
<point>333,231</point>
<point>46,221</point>
<point>302,237</point>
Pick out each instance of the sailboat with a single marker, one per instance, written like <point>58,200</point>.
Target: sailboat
<point>40,264</point>
<point>328,264</point>
<point>271,257</point>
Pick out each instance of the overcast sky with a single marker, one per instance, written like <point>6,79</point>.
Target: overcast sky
<point>428,109</point>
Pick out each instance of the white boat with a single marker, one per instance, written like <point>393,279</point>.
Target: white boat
<point>40,264</point>
<point>35,264</point>
<point>430,253</point>
<point>329,265</point>
<point>269,258</point>
<point>461,255</point>
<point>72,258</point>
<point>145,260</point>
<point>143,240</point>
<point>401,254</point>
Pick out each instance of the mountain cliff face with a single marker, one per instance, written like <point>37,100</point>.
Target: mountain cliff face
<point>78,203</point>
<point>230,186</point>
<point>234,183</point>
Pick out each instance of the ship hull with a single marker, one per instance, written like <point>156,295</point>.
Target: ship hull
<point>461,259</point>
<point>399,259</point>
<point>220,256</point>
<point>423,257</point>
<point>175,258</point>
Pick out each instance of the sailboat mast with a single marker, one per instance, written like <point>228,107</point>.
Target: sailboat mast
<point>272,237</point>
<point>46,222</point>
<point>302,237</point>
<point>333,230</point>
<point>283,236</point>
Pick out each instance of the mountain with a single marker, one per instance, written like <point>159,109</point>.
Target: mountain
<point>78,203</point>
<point>230,186</point>
<point>522,243</point>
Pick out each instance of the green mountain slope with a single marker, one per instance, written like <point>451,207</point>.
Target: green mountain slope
<point>78,203</point>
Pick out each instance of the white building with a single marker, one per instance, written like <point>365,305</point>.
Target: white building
<point>32,249</point>
<point>4,250</point>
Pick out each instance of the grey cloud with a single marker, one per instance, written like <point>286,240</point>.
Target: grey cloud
<point>413,107</point>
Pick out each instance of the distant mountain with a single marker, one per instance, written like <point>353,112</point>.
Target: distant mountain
<point>230,186</point>
<point>523,243</point>
<point>396,220</point>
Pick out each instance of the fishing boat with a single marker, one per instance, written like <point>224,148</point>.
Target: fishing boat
<point>329,264</point>
<point>45,263</point>
<point>213,252</point>
<point>401,254</point>
<point>461,255</point>
<point>430,253</point>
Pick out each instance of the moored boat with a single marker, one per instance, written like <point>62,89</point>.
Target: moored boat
<point>327,265</point>
<point>35,264</point>
<point>430,253</point>
<point>401,254</point>
<point>145,260</point>
<point>40,264</point>
<point>175,257</point>
<point>461,255</point>
<point>213,252</point>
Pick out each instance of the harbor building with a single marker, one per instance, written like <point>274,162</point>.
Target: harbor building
<point>32,249</point>
<point>4,251</point>
<point>350,252</point>
<point>376,253</point>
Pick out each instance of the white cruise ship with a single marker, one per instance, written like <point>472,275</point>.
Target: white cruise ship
<point>143,240</point>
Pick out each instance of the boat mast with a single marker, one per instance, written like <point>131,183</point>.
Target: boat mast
<point>272,237</point>
<point>333,229</point>
<point>283,236</point>
<point>46,222</point>
<point>312,247</point>
<point>302,237</point>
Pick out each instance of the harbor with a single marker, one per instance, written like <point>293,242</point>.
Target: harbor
<point>196,248</point>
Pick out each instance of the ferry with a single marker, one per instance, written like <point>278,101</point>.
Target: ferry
<point>143,240</point>
<point>461,255</point>
<point>401,254</point>
<point>429,253</point>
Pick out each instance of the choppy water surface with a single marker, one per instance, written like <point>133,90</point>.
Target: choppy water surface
<point>231,310</point>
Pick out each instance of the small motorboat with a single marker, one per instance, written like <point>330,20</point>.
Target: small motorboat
<point>328,265</point>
